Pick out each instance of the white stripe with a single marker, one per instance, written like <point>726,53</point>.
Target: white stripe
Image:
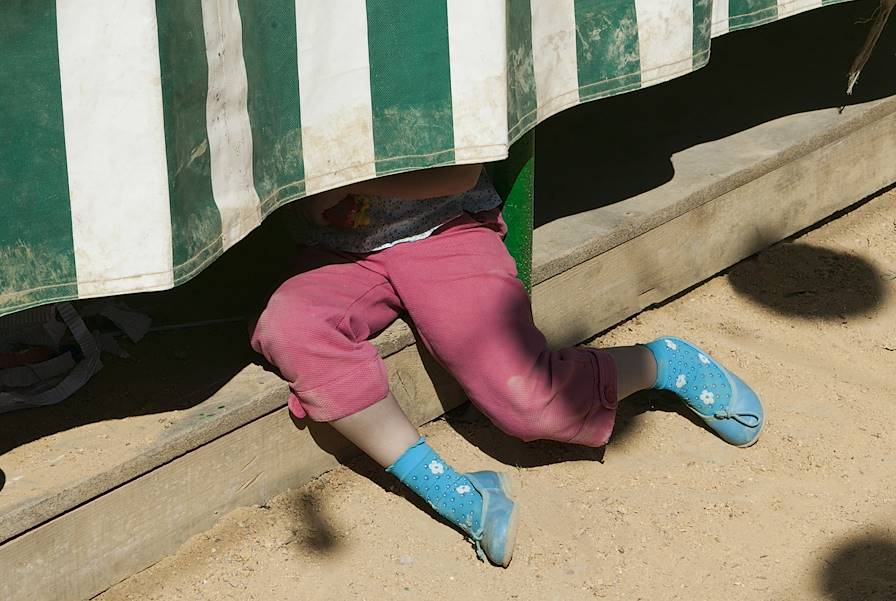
<point>227,121</point>
<point>476,41</point>
<point>115,145</point>
<point>334,91</point>
<point>719,17</point>
<point>787,8</point>
<point>554,56</point>
<point>665,38</point>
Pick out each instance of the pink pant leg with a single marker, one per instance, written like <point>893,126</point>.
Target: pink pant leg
<point>474,315</point>
<point>315,327</point>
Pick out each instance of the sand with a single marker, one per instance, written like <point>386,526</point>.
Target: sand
<point>667,510</point>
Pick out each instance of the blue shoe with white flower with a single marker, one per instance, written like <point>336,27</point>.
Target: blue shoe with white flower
<point>481,504</point>
<point>729,407</point>
<point>500,517</point>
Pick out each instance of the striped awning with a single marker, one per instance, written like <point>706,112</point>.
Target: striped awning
<point>139,139</point>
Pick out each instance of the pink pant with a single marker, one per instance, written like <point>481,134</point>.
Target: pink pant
<point>459,287</point>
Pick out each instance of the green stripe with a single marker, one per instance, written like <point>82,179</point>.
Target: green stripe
<point>410,84</point>
<point>522,101</point>
<point>195,221</point>
<point>37,263</point>
<point>269,50</point>
<point>607,52</point>
<point>749,13</point>
<point>702,32</point>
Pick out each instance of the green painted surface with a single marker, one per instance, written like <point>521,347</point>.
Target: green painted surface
<point>747,13</point>
<point>269,43</point>
<point>702,32</point>
<point>522,102</point>
<point>410,84</point>
<point>514,180</point>
<point>195,221</point>
<point>37,263</point>
<point>607,47</point>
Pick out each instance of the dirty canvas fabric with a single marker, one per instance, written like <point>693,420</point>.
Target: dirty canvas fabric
<point>148,136</point>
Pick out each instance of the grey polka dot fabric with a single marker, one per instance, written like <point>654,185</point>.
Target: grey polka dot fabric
<point>383,222</point>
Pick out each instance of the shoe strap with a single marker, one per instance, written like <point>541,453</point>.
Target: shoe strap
<point>750,420</point>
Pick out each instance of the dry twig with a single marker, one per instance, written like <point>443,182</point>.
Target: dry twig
<point>880,21</point>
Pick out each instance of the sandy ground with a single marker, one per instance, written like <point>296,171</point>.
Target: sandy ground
<point>668,511</point>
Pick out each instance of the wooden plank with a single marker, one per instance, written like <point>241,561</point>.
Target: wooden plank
<point>688,249</point>
<point>248,395</point>
<point>702,173</point>
<point>83,552</point>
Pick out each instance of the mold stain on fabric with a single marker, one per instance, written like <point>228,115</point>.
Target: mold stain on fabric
<point>521,68</point>
<point>199,237</point>
<point>415,130</point>
<point>278,176</point>
<point>702,37</point>
<point>197,153</point>
<point>621,51</point>
<point>614,43</point>
<point>27,270</point>
<point>521,88</point>
<point>339,149</point>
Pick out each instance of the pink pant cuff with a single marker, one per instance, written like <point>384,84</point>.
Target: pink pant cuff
<point>344,396</point>
<point>600,420</point>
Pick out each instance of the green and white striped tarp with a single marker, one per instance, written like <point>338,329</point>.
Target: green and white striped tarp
<point>139,139</point>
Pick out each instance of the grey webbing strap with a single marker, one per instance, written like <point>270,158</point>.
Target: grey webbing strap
<point>75,379</point>
<point>35,373</point>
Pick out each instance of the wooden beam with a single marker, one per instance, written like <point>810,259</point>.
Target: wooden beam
<point>696,245</point>
<point>83,552</point>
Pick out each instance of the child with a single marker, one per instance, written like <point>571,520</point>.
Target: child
<point>429,243</point>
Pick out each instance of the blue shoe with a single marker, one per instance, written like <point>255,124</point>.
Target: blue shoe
<point>729,407</point>
<point>497,536</point>
<point>496,481</point>
<point>480,504</point>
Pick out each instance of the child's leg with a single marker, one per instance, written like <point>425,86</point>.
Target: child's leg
<point>382,431</point>
<point>480,504</point>
<point>475,317</point>
<point>315,329</point>
<point>635,369</point>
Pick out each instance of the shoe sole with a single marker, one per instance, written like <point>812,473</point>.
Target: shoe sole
<point>511,487</point>
<point>755,440</point>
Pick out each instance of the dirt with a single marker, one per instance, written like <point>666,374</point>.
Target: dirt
<point>667,510</point>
